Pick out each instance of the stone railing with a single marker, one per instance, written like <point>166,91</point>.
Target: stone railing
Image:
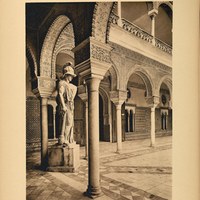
<point>137,31</point>
<point>114,18</point>
<point>163,46</point>
<point>140,33</point>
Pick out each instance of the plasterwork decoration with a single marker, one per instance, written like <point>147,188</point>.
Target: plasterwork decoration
<point>100,54</point>
<point>46,86</point>
<point>65,43</point>
<point>30,53</point>
<point>137,31</point>
<point>93,50</point>
<point>153,101</point>
<point>118,96</point>
<point>145,61</point>
<point>167,79</point>
<point>100,20</point>
<point>114,78</point>
<point>140,33</point>
<point>49,43</point>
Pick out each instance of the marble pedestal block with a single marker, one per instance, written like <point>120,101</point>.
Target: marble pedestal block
<point>63,159</point>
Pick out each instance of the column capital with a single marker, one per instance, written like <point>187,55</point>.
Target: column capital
<point>45,86</point>
<point>118,97</point>
<point>93,83</point>
<point>92,58</point>
<point>153,101</point>
<point>153,13</point>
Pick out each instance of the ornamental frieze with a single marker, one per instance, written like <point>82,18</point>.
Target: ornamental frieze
<point>100,54</point>
<point>145,61</point>
<point>92,49</point>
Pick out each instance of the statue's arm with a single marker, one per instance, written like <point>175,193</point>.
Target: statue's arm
<point>61,92</point>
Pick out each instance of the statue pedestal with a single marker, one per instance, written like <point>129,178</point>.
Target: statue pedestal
<point>63,158</point>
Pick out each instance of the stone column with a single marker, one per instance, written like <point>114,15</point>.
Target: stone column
<point>118,98</point>
<point>119,12</point>
<point>83,94</point>
<point>153,13</point>
<point>86,130</point>
<point>119,126</point>
<point>44,89</point>
<point>92,67</point>
<point>128,122</point>
<point>54,123</point>
<point>93,135</point>
<point>153,101</point>
<point>153,135</point>
<point>44,133</point>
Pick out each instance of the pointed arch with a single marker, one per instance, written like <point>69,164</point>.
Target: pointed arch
<point>49,43</point>
<point>114,78</point>
<point>65,43</point>
<point>145,77</point>
<point>100,20</point>
<point>167,80</point>
<point>30,55</point>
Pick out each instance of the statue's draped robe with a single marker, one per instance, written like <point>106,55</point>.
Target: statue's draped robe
<point>68,95</point>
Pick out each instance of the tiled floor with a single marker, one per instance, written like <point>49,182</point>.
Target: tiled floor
<point>139,173</point>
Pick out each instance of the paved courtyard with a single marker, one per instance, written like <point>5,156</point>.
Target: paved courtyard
<point>138,173</point>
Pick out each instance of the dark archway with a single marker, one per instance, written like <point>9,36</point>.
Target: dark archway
<point>101,122</point>
<point>50,122</point>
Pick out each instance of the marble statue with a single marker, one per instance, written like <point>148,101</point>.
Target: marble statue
<point>67,92</point>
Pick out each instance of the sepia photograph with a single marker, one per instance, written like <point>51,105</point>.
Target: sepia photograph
<point>99,101</point>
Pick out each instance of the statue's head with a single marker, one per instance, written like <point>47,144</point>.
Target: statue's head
<point>68,70</point>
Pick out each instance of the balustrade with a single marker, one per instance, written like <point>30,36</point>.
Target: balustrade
<point>140,33</point>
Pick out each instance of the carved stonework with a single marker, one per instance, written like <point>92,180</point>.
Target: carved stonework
<point>45,86</point>
<point>153,101</point>
<point>48,45</point>
<point>145,61</point>
<point>100,20</point>
<point>118,96</point>
<point>137,31</point>
<point>140,33</point>
<point>100,54</point>
<point>92,49</point>
<point>64,43</point>
<point>163,46</point>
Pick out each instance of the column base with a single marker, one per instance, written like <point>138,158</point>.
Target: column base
<point>119,152</point>
<point>63,158</point>
<point>152,145</point>
<point>93,192</point>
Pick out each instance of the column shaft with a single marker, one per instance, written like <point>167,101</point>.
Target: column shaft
<point>119,127</point>
<point>93,137</point>
<point>119,12</point>
<point>54,124</point>
<point>44,134</point>
<point>86,129</point>
<point>128,120</point>
<point>152,126</point>
<point>153,25</point>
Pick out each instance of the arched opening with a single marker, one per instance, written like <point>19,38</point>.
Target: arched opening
<point>50,122</point>
<point>32,109</point>
<point>136,13</point>
<point>131,121</point>
<point>164,24</point>
<point>101,119</point>
<point>138,117</point>
<point>126,121</point>
<point>163,111</point>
